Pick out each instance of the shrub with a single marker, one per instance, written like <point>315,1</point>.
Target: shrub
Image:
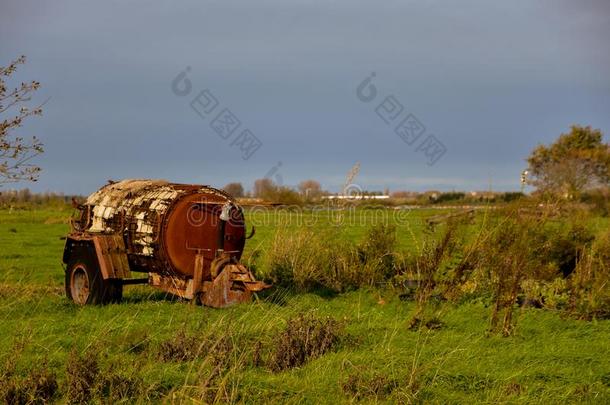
<point>563,246</point>
<point>511,196</point>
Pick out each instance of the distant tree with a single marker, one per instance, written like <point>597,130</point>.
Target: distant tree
<point>310,188</point>
<point>264,188</point>
<point>403,194</point>
<point>450,196</point>
<point>575,162</point>
<point>286,195</point>
<point>235,189</point>
<point>16,152</point>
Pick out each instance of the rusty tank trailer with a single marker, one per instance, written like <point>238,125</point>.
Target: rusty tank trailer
<point>188,239</point>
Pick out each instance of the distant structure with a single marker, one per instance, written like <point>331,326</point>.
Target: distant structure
<point>355,197</point>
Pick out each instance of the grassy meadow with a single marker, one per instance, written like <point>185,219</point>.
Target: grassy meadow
<point>356,345</point>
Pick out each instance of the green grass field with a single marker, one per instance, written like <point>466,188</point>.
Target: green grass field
<point>550,359</point>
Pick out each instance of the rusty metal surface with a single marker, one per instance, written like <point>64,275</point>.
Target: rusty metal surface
<point>188,238</point>
<point>193,226</point>
<point>154,218</point>
<point>220,293</point>
<point>178,286</point>
<point>234,285</point>
<point>110,253</point>
<point>111,256</point>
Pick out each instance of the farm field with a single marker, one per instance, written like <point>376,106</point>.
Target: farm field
<point>152,347</point>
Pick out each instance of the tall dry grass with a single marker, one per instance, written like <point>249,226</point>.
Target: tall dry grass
<point>307,260</point>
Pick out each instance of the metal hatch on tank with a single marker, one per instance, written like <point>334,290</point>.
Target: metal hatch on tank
<point>188,239</point>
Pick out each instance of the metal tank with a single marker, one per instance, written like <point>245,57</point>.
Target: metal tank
<point>187,238</point>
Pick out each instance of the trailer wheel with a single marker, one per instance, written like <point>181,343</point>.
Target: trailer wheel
<point>85,284</point>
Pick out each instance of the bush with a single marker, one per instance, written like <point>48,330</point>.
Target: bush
<point>563,247</point>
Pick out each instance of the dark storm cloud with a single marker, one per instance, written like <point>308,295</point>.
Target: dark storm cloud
<point>491,80</point>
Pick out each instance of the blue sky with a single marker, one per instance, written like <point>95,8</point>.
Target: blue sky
<point>490,80</point>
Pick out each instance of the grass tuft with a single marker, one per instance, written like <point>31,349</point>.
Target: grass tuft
<point>304,338</point>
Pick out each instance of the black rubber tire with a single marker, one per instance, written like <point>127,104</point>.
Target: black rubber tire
<point>83,270</point>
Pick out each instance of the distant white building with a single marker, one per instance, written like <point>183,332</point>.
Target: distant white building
<point>356,197</point>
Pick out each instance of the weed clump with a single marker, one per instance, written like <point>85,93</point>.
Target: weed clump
<point>87,381</point>
<point>428,271</point>
<point>183,347</point>
<point>81,377</point>
<point>39,386</point>
<point>377,250</point>
<point>589,294</point>
<point>115,386</point>
<point>180,347</point>
<point>304,338</point>
<point>362,387</point>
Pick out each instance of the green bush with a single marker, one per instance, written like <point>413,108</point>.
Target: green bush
<point>563,246</point>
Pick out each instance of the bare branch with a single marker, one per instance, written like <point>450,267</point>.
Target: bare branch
<point>16,153</point>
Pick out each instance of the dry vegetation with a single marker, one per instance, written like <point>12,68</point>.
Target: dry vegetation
<point>517,254</point>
